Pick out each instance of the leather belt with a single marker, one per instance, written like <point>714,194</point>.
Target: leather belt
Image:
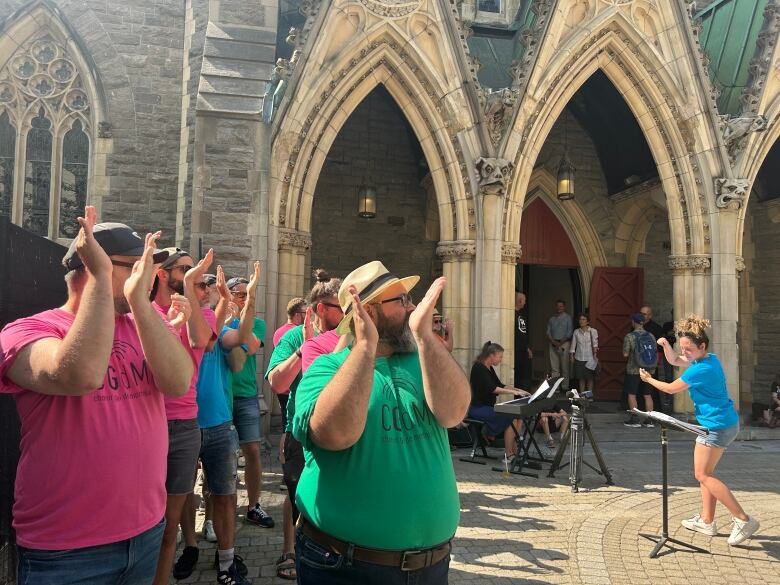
<point>409,560</point>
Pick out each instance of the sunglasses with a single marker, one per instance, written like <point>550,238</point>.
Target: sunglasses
<point>201,285</point>
<point>332,305</point>
<point>405,299</point>
<point>240,295</point>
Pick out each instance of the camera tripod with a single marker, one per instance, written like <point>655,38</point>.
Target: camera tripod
<point>575,435</point>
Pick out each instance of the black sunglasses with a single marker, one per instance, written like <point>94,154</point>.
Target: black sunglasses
<point>406,300</point>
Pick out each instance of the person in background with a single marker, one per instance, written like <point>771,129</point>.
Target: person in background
<point>523,353</point>
<point>584,352</point>
<point>705,382</point>
<point>296,311</point>
<point>559,332</point>
<point>664,401</point>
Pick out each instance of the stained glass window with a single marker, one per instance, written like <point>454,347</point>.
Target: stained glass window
<point>7,155</point>
<point>37,176</point>
<point>75,170</point>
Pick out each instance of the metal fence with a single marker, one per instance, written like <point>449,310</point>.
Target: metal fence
<point>31,280</point>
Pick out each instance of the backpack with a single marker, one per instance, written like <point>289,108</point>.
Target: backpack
<point>646,353</point>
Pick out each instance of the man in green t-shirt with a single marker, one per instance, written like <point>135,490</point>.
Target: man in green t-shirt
<point>243,387</point>
<point>284,371</point>
<point>377,496</point>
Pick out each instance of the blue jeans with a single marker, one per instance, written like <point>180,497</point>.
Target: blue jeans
<point>317,565</point>
<point>219,454</point>
<point>127,562</point>
<point>246,418</point>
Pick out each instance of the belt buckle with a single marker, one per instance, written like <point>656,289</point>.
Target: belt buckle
<point>404,559</point>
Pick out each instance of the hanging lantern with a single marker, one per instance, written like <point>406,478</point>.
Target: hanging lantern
<point>566,172</point>
<point>367,202</point>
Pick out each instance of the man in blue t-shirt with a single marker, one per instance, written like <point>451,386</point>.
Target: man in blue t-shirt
<point>218,452</point>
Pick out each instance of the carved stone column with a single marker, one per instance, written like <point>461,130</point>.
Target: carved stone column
<point>689,273</point>
<point>293,246</point>
<point>457,258</point>
<point>510,256</point>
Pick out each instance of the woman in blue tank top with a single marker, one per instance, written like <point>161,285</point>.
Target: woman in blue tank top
<point>706,383</point>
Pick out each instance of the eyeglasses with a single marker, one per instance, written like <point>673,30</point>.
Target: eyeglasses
<point>182,268</point>
<point>332,305</point>
<point>240,295</point>
<point>201,285</point>
<point>406,300</point>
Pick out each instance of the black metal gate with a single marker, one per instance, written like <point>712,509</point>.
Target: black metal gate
<point>31,280</point>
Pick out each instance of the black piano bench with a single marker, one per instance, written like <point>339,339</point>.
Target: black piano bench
<point>478,441</point>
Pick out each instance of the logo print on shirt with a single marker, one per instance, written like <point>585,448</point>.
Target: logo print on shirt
<point>127,370</point>
<point>521,326</point>
<point>400,417</point>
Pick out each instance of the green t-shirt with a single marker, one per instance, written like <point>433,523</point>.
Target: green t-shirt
<point>290,341</point>
<point>393,489</point>
<point>243,384</point>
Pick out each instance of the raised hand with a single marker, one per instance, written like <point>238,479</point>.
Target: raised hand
<point>92,255</point>
<point>254,280</point>
<point>179,311</point>
<point>421,317</point>
<point>365,330</point>
<point>663,342</point>
<point>139,284</point>
<point>308,324</point>
<point>222,288</point>
<point>197,271</point>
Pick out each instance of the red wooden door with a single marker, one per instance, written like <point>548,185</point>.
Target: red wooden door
<point>615,294</point>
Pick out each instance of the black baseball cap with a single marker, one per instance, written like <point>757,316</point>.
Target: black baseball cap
<point>209,279</point>
<point>235,281</point>
<point>173,255</point>
<point>116,239</point>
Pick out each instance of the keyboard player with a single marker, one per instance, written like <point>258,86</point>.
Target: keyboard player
<point>485,388</point>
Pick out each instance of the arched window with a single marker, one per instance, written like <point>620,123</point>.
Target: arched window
<point>45,110</point>
<point>7,156</point>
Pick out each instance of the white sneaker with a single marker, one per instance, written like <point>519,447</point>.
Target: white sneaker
<point>741,531</point>
<point>698,525</point>
<point>208,531</point>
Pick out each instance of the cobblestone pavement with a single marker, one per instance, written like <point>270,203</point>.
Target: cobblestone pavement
<point>523,530</point>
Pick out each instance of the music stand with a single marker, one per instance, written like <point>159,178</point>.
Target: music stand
<point>666,422</point>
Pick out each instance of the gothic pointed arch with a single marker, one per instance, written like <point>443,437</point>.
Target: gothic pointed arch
<point>656,102</point>
<point>339,74</point>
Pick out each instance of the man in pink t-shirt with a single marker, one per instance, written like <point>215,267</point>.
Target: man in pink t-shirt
<point>88,379</point>
<point>179,280</point>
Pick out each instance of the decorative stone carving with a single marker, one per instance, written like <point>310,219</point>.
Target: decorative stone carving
<point>104,130</point>
<point>456,250</point>
<point>695,262</point>
<point>740,264</point>
<point>731,193</point>
<point>762,62</point>
<point>511,253</point>
<point>391,8</point>
<point>530,38</point>
<point>493,175</point>
<point>735,130</point>
<point>499,106</point>
<point>294,240</point>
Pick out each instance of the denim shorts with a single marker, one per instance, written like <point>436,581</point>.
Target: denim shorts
<point>219,454</point>
<point>183,449</point>
<point>719,438</point>
<point>246,417</point>
<point>127,562</point>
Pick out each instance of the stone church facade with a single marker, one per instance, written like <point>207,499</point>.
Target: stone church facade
<point>250,126</point>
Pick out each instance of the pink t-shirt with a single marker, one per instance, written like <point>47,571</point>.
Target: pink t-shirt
<point>186,407</point>
<point>92,468</point>
<point>281,331</point>
<point>317,346</point>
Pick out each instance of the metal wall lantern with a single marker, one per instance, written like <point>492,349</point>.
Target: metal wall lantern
<point>565,178</point>
<point>367,202</point>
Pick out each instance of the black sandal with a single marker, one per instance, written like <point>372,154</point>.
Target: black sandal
<point>285,567</point>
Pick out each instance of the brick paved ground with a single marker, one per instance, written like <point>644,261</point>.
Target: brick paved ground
<point>532,531</point>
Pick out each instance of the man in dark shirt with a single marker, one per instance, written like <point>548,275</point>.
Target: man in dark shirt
<point>523,353</point>
<point>662,398</point>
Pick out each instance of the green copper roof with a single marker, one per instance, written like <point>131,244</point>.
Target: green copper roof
<point>728,36</point>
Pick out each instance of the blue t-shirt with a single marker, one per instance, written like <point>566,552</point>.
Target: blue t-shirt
<point>213,390</point>
<point>707,386</point>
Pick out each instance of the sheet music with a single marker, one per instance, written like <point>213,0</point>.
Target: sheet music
<point>670,420</point>
<point>555,387</point>
<point>541,390</point>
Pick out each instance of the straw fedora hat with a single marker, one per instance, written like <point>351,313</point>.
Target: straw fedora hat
<point>371,280</point>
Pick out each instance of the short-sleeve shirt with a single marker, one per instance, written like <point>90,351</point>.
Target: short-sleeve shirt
<point>289,343</point>
<point>243,384</point>
<point>281,331</point>
<point>707,387</point>
<point>484,381</point>
<point>393,489</point>
<point>186,407</point>
<point>92,468</point>
<point>629,347</point>
<point>215,404</point>
<point>317,346</point>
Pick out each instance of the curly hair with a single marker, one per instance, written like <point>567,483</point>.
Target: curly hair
<point>693,327</point>
<point>325,287</point>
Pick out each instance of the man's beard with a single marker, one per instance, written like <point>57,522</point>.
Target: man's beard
<point>396,336</point>
<point>176,286</point>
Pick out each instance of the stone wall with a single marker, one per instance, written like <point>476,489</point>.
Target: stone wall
<point>658,278</point>
<point>137,49</point>
<point>382,150</point>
